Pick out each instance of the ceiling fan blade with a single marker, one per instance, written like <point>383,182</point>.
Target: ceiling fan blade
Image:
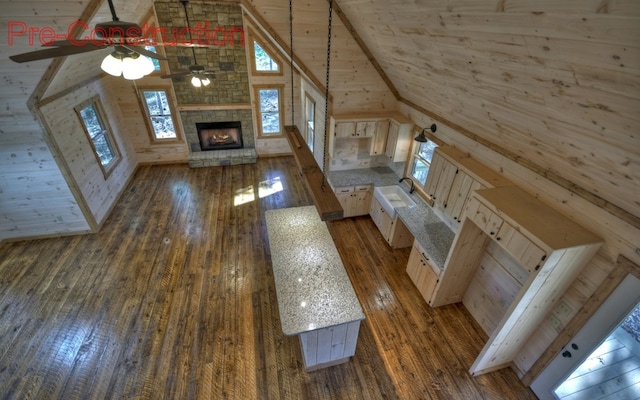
<point>176,74</point>
<point>144,52</point>
<point>54,52</point>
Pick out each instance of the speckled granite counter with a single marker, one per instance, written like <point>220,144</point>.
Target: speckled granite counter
<point>432,233</point>
<point>315,297</point>
<point>427,228</point>
<point>379,176</point>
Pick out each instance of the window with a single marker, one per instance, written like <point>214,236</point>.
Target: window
<point>160,117</point>
<point>155,61</point>
<point>102,142</point>
<point>263,63</point>
<point>422,161</point>
<point>310,111</point>
<point>269,110</point>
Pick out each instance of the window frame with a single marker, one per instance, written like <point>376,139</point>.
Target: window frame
<point>269,50</point>
<point>107,132</point>
<point>309,100</point>
<point>172,110</point>
<point>280,89</point>
<point>409,166</point>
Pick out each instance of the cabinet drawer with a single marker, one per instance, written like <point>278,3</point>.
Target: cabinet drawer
<point>363,188</point>
<point>486,219</point>
<point>344,189</point>
<point>520,247</point>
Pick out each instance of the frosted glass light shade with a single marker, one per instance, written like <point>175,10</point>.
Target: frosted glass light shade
<point>131,69</point>
<point>195,81</point>
<point>205,81</point>
<point>146,65</point>
<point>112,65</point>
<point>127,66</point>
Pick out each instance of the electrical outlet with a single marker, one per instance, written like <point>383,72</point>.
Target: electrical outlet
<point>564,310</point>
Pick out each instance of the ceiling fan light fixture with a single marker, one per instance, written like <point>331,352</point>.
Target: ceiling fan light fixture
<point>196,82</point>
<point>205,81</point>
<point>112,65</point>
<point>130,66</point>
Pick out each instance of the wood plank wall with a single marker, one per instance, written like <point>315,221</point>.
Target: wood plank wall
<point>97,191</point>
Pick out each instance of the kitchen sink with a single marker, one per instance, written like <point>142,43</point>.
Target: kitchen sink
<point>392,197</point>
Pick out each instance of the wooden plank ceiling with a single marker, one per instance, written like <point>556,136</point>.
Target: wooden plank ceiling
<point>554,83</point>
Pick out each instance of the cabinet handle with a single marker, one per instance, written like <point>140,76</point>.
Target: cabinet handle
<point>491,233</point>
<point>537,267</point>
<point>498,238</point>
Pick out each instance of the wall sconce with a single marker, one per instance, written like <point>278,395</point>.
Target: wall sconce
<point>421,137</point>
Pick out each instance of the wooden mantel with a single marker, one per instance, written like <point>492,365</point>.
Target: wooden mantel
<point>326,202</point>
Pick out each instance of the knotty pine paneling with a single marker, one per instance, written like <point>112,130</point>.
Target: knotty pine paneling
<point>556,84</point>
<point>620,237</point>
<point>99,193</point>
<point>355,84</point>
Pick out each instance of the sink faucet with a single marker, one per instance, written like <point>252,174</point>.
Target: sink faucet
<point>410,180</point>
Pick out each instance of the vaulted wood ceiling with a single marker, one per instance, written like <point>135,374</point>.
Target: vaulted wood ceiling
<point>552,85</point>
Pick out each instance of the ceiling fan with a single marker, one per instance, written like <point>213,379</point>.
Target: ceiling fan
<point>126,38</point>
<point>200,75</point>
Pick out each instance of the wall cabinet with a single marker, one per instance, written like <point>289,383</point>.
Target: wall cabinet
<point>384,133</point>
<point>453,176</point>
<point>552,248</point>
<point>379,141</point>
<point>398,141</point>
<point>355,200</point>
<point>423,272</point>
<point>355,129</point>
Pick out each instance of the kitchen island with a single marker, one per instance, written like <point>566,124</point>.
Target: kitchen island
<point>316,300</point>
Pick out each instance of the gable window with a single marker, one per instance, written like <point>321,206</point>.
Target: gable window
<point>421,160</point>
<point>263,62</point>
<point>99,134</point>
<point>269,109</point>
<point>159,114</point>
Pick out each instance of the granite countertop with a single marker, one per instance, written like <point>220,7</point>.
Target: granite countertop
<point>313,288</point>
<point>379,176</point>
<point>433,234</point>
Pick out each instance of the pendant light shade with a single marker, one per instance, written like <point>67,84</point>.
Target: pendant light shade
<point>195,81</point>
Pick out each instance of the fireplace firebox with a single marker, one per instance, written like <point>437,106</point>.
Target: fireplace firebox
<point>219,135</point>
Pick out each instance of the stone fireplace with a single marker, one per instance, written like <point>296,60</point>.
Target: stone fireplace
<point>228,97</point>
<point>219,135</point>
<point>199,158</point>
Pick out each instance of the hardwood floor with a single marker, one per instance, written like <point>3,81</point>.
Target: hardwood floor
<point>174,299</point>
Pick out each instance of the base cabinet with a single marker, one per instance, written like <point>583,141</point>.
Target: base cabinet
<point>550,249</point>
<point>355,200</point>
<point>423,273</point>
<point>380,218</point>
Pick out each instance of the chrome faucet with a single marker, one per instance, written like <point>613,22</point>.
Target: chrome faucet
<point>410,180</point>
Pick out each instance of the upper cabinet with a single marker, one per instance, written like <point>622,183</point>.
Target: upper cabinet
<point>509,236</point>
<point>399,140</point>
<point>385,133</point>
<point>453,176</point>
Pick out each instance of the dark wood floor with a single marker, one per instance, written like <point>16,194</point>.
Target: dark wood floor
<point>174,299</point>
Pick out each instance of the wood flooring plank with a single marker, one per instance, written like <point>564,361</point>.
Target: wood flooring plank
<point>174,298</point>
